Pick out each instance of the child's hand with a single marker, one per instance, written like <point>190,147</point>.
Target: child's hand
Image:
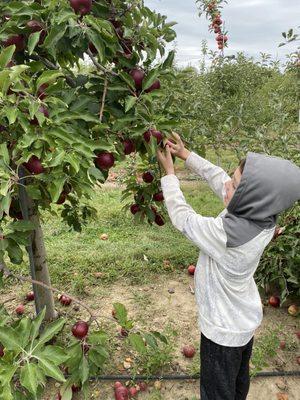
<point>165,160</point>
<point>178,149</point>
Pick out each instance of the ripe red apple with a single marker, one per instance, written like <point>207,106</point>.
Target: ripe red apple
<point>81,7</point>
<point>105,160</point>
<point>133,392</point>
<point>191,269</point>
<point>143,386</point>
<point>282,345</point>
<point>138,76</point>
<point>129,146</point>
<point>121,393</point>
<point>148,177</point>
<point>80,329</point>
<point>75,388</point>
<point>134,208</point>
<point>217,29</point>
<point>34,165</point>
<point>158,196</point>
<point>153,132</point>
<point>35,26</point>
<point>274,301</point>
<point>41,91</point>
<point>159,220</point>
<point>293,310</point>
<point>1,350</point>
<point>188,351</point>
<point>217,20</point>
<point>30,296</point>
<point>124,332</point>
<point>17,40</point>
<point>65,300</point>
<point>154,86</point>
<point>117,385</point>
<point>20,309</point>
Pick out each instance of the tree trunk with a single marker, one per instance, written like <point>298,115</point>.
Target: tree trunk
<point>37,254</point>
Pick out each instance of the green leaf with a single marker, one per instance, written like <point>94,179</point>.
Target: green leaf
<point>7,372</point>
<point>22,226</point>
<point>83,369</point>
<point>150,78</point>
<point>36,324</point>
<point>6,55</point>
<point>28,377</point>
<point>95,38</point>
<point>10,339</point>
<point>56,354</point>
<point>33,41</point>
<point>151,340</point>
<point>169,60</point>
<point>121,313</point>
<point>4,153</point>
<point>50,369</point>
<point>11,114</point>
<point>98,357</point>
<point>130,102</point>
<point>23,330</point>
<point>137,343</point>
<point>52,329</point>
<point>159,336</point>
<point>14,252</point>
<point>48,77</point>
<point>56,187</point>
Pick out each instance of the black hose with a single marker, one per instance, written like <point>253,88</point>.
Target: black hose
<point>182,377</point>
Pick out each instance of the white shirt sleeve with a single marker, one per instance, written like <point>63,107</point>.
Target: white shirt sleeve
<point>215,176</point>
<point>205,232</point>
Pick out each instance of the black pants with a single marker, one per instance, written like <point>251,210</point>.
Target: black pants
<point>224,371</point>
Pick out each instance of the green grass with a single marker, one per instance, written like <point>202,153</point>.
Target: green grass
<point>133,251</point>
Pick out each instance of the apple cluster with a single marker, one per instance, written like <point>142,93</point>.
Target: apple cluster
<point>214,14</point>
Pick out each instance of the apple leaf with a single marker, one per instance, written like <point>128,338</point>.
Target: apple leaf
<point>97,358</point>
<point>151,340</point>
<point>6,55</point>
<point>10,339</point>
<point>28,377</point>
<point>14,252</point>
<point>160,336</point>
<point>7,372</point>
<point>150,79</point>
<point>4,153</point>
<point>36,324</point>
<point>137,343</point>
<point>56,354</point>
<point>50,368</point>
<point>84,369</point>
<point>52,329</point>
<point>130,102</point>
<point>33,41</point>
<point>121,313</point>
<point>22,226</point>
<point>23,330</point>
<point>48,77</point>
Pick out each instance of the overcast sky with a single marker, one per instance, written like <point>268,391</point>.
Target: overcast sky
<point>253,26</point>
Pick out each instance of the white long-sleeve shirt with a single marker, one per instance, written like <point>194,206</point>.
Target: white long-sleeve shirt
<point>229,304</point>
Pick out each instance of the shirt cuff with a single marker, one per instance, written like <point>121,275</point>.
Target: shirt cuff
<point>169,180</point>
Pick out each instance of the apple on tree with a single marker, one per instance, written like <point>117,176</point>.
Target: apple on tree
<point>80,329</point>
<point>81,7</point>
<point>105,160</point>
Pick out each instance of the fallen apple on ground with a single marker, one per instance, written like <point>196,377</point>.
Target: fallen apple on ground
<point>65,300</point>
<point>188,351</point>
<point>121,393</point>
<point>30,296</point>
<point>293,310</point>
<point>133,392</point>
<point>104,236</point>
<point>191,269</point>
<point>20,309</point>
<point>274,301</point>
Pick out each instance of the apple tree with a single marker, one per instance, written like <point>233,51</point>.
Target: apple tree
<point>63,126</point>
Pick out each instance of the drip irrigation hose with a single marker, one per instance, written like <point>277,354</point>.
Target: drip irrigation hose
<point>182,377</point>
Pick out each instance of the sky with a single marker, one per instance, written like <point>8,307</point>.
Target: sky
<point>253,26</point>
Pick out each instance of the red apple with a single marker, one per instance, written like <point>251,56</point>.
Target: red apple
<point>105,160</point>
<point>274,301</point>
<point>41,91</point>
<point>138,76</point>
<point>282,345</point>
<point>148,177</point>
<point>158,196</point>
<point>121,393</point>
<point>35,26</point>
<point>80,329</point>
<point>65,300</point>
<point>20,309</point>
<point>143,386</point>
<point>154,86</point>
<point>153,132</point>
<point>1,350</point>
<point>30,296</point>
<point>128,146</point>
<point>17,40</point>
<point>188,351</point>
<point>34,165</point>
<point>133,392</point>
<point>81,7</point>
<point>117,385</point>
<point>191,269</point>
<point>217,20</point>
<point>217,29</point>
<point>159,220</point>
<point>134,208</point>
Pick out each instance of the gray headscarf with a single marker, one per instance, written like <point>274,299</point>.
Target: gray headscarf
<point>269,185</point>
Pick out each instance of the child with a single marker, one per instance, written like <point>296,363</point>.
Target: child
<point>231,245</point>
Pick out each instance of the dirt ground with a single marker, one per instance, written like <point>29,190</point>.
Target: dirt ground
<point>155,307</point>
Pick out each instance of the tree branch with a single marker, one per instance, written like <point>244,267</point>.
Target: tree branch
<point>103,99</point>
<point>99,66</point>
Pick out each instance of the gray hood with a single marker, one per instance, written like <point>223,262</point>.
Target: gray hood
<point>269,185</point>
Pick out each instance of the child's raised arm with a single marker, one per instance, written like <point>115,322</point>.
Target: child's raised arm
<point>215,176</point>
